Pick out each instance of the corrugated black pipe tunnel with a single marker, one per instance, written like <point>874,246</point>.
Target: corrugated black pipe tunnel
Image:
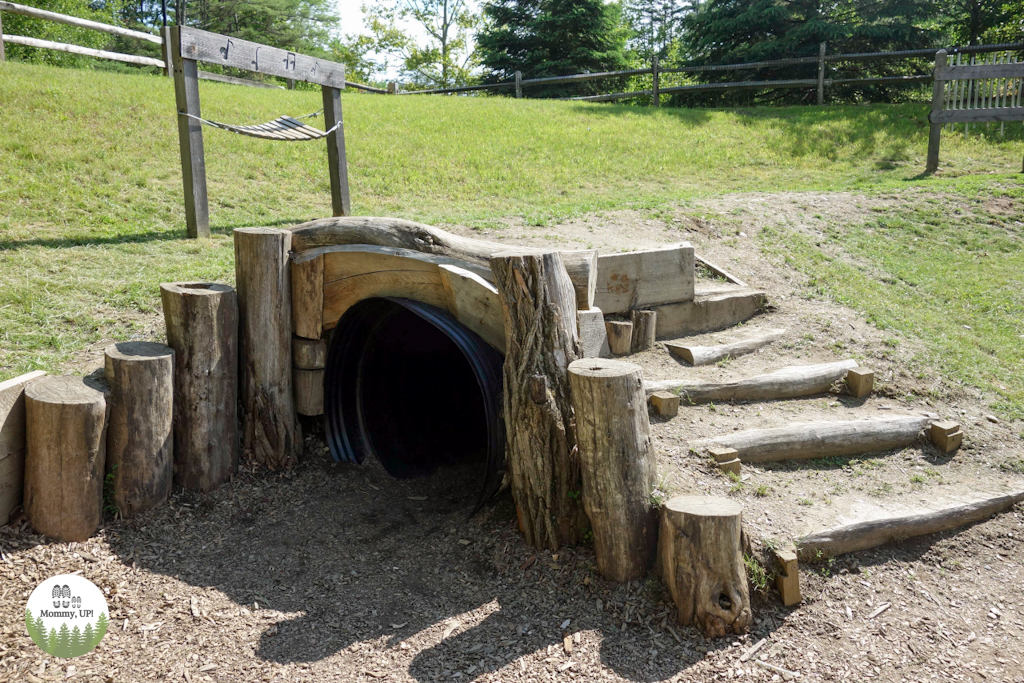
<point>408,383</point>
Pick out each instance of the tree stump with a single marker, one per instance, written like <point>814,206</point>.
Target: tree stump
<point>272,435</point>
<point>617,463</point>
<point>66,449</point>
<point>140,433</point>
<point>541,340</point>
<point>620,336</point>
<point>645,324</point>
<point>700,554</point>
<point>202,328</point>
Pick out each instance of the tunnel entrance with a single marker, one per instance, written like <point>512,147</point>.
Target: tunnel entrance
<point>409,384</point>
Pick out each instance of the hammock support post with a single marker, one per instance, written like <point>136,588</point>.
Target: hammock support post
<point>187,47</point>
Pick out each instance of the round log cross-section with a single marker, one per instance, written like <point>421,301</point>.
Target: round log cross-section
<point>700,554</point>
<point>202,328</point>
<point>65,454</point>
<point>140,434</point>
<point>613,435</point>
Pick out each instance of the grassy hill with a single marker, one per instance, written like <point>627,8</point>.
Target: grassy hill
<point>91,216</point>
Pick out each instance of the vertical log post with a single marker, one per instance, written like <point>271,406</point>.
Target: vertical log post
<point>272,436</point>
<point>2,53</point>
<point>700,555</point>
<point>821,74</point>
<point>336,160</point>
<point>617,464</point>
<point>165,49</point>
<point>935,129</point>
<point>190,138</point>
<point>519,84</point>
<point>645,324</point>
<point>202,327</point>
<point>541,340</point>
<point>140,435</point>
<point>656,73</point>
<point>66,449</point>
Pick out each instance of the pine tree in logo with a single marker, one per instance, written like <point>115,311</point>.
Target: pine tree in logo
<point>36,629</point>
<point>88,638</point>
<point>101,627</point>
<point>63,648</point>
<point>75,644</point>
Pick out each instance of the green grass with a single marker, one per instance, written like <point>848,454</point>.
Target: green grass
<point>91,216</point>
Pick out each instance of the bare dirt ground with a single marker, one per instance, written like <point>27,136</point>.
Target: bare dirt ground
<point>340,573</point>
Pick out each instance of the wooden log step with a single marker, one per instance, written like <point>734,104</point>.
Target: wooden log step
<point>707,355</point>
<point>638,279</point>
<point>713,308</point>
<point>792,382</point>
<point>820,439</point>
<point>871,534</point>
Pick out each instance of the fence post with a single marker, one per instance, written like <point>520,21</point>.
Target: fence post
<point>657,84</point>
<point>821,74</point>
<point>935,129</point>
<point>290,82</point>
<point>392,88</point>
<point>190,139</point>
<point>165,33</point>
<point>519,84</point>
<point>2,57</point>
<point>336,159</point>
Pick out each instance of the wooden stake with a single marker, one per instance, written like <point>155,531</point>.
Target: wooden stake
<point>620,336</point>
<point>700,555</point>
<point>271,433</point>
<point>65,423</point>
<point>140,435</point>
<point>336,159</point>
<point>665,403</point>
<point>946,435</point>
<point>787,581</point>
<point>644,327</point>
<point>541,340</point>
<point>202,327</point>
<point>617,462</point>
<point>860,382</point>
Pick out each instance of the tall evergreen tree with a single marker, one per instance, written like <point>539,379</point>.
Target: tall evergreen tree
<point>655,24</point>
<point>509,41</point>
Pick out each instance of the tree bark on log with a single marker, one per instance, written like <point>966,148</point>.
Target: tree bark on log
<point>700,555</point>
<point>792,382</point>
<point>617,464</point>
<point>873,533</point>
<point>272,435</point>
<point>66,449</point>
<point>140,433</point>
<point>202,327</point>
<point>706,355</point>
<point>821,439</point>
<point>644,326</point>
<point>581,265</point>
<point>541,340</point>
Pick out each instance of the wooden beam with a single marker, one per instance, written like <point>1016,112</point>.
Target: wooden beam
<point>85,51</point>
<point>977,115</point>
<point>873,533</point>
<point>190,140</point>
<point>214,48</point>
<point>475,303</point>
<point>639,279</point>
<point>966,72</point>
<point>337,162</point>
<point>76,21</point>
<point>792,382</point>
<point>707,355</point>
<point>802,441</point>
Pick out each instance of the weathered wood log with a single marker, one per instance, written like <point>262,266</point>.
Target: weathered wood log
<point>700,556</point>
<point>871,534</point>
<point>618,466</point>
<point>620,336</point>
<point>272,436</point>
<point>644,327</point>
<point>717,270</point>
<point>706,355</point>
<point>801,441</point>
<point>593,333</point>
<point>140,432</point>
<point>309,392</point>
<point>541,340</point>
<point>66,449</point>
<point>638,279</point>
<point>307,273</point>
<point>309,354</point>
<point>403,234</point>
<point>792,382</point>
<point>202,327</point>
<point>475,303</point>
<point>12,442</point>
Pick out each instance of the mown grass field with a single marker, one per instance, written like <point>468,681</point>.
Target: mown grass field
<point>91,216</point>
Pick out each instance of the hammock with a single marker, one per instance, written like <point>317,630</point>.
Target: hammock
<point>282,128</point>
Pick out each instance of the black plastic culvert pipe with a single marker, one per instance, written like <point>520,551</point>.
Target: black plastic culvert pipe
<point>409,384</point>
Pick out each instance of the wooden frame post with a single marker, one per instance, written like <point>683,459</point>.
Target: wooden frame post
<point>2,54</point>
<point>935,129</point>
<point>519,84</point>
<point>657,82</point>
<point>821,74</point>
<point>190,138</point>
<point>340,201</point>
<point>165,33</point>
